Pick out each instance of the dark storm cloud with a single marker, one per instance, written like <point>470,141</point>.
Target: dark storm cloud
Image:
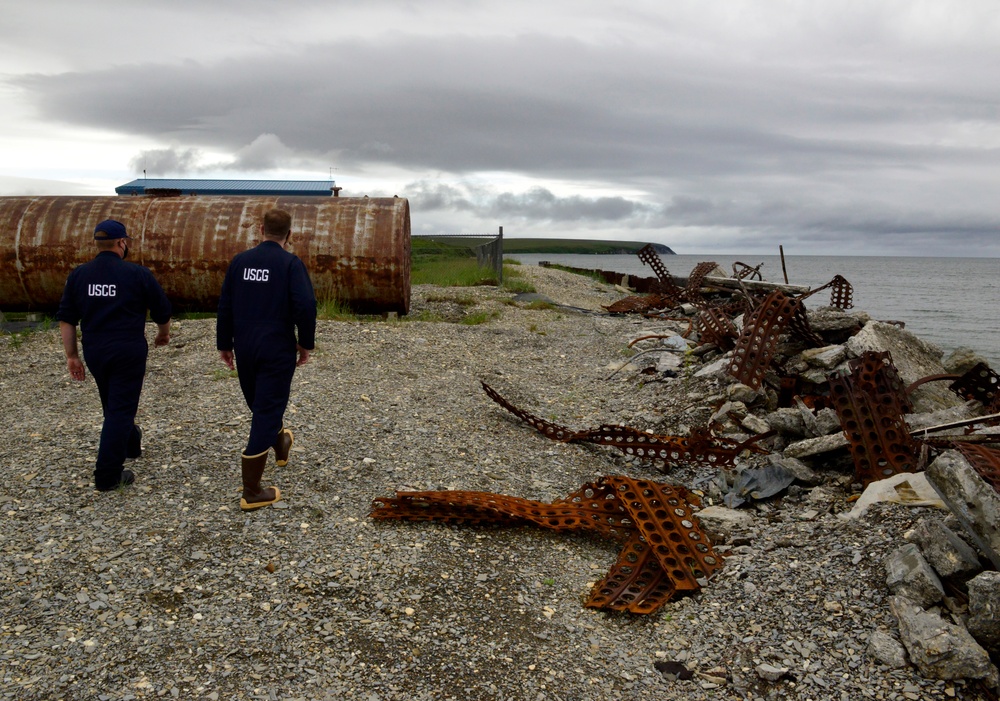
<point>533,105</point>
<point>864,125</point>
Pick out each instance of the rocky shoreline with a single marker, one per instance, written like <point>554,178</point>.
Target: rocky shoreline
<point>167,590</point>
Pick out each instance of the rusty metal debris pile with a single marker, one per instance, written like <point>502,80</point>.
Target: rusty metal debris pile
<point>774,357</point>
<point>664,551</point>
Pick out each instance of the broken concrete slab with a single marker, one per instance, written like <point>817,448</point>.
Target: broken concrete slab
<point>910,575</point>
<point>887,650</point>
<point>974,501</point>
<point>816,446</point>
<point>827,357</point>
<point>949,555</point>
<point>984,609</point>
<point>913,358</point>
<point>720,523</point>
<point>939,649</point>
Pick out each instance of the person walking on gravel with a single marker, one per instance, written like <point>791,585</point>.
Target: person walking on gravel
<point>109,298</point>
<point>266,296</point>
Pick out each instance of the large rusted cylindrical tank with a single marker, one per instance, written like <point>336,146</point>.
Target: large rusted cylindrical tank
<point>357,249</point>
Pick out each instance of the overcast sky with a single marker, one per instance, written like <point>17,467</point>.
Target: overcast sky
<point>827,127</point>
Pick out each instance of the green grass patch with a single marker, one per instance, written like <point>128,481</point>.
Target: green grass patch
<point>514,281</point>
<point>334,309</point>
<point>451,272</point>
<point>477,318</point>
<point>540,304</point>
<point>224,374</point>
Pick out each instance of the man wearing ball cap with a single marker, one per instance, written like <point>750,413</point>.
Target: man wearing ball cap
<point>109,298</point>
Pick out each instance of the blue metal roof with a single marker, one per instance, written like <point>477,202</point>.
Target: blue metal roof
<point>296,188</point>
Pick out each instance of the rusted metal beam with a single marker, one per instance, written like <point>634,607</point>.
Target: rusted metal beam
<point>699,448</point>
<point>665,553</point>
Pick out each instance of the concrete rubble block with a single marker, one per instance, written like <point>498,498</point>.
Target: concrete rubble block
<point>971,498</point>
<point>816,446</point>
<point>755,424</point>
<point>911,576</point>
<point>802,472</point>
<point>730,411</point>
<point>669,361</point>
<point>961,360</point>
<point>827,357</point>
<point>961,412</point>
<point>716,367</point>
<point>836,325</point>
<point>949,555</point>
<point>984,609</point>
<point>787,421</point>
<point>827,422</point>
<point>939,649</point>
<point>720,523</point>
<point>913,358</point>
<point>739,392</point>
<point>887,650</point>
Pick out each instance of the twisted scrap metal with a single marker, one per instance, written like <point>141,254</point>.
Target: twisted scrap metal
<point>980,383</point>
<point>700,448</point>
<point>759,338</point>
<point>665,553</point>
<point>985,461</point>
<point>871,403</point>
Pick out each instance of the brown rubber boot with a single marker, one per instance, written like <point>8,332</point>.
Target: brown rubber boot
<point>253,496</point>
<point>283,446</point>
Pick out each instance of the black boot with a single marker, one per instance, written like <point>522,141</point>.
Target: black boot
<point>133,449</point>
<point>253,496</point>
<point>283,446</point>
<point>126,478</point>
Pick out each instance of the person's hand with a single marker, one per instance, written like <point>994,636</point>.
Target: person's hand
<point>303,356</point>
<point>227,358</point>
<point>75,366</point>
<point>162,338</point>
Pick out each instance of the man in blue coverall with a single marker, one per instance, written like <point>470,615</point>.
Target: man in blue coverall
<point>109,298</point>
<point>266,295</point>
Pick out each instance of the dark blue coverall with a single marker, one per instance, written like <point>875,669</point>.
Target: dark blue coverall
<point>266,295</point>
<point>109,297</point>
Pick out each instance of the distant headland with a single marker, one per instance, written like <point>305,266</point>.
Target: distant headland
<point>578,246</point>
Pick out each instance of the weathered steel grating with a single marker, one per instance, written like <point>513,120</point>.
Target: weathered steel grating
<point>647,254</point>
<point>759,339</point>
<point>799,327</point>
<point>870,404</point>
<point>980,383</point>
<point>715,327</point>
<point>549,429</point>
<point>696,278</point>
<point>641,303</point>
<point>985,461</point>
<point>841,293</point>
<point>665,553</point>
<point>700,448</point>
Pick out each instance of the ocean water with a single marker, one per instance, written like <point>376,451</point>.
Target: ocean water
<point>950,302</point>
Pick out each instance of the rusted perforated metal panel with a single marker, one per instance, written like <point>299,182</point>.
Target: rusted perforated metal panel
<point>700,448</point>
<point>714,326</point>
<point>665,552</point>
<point>980,383</point>
<point>870,403</point>
<point>985,461</point>
<point>759,338</point>
<point>693,289</point>
<point>647,254</point>
<point>637,304</point>
<point>356,249</point>
<point>841,293</point>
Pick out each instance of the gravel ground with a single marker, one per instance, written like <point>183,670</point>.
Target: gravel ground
<point>167,590</point>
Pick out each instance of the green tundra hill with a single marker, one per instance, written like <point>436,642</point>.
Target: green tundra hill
<point>578,246</point>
